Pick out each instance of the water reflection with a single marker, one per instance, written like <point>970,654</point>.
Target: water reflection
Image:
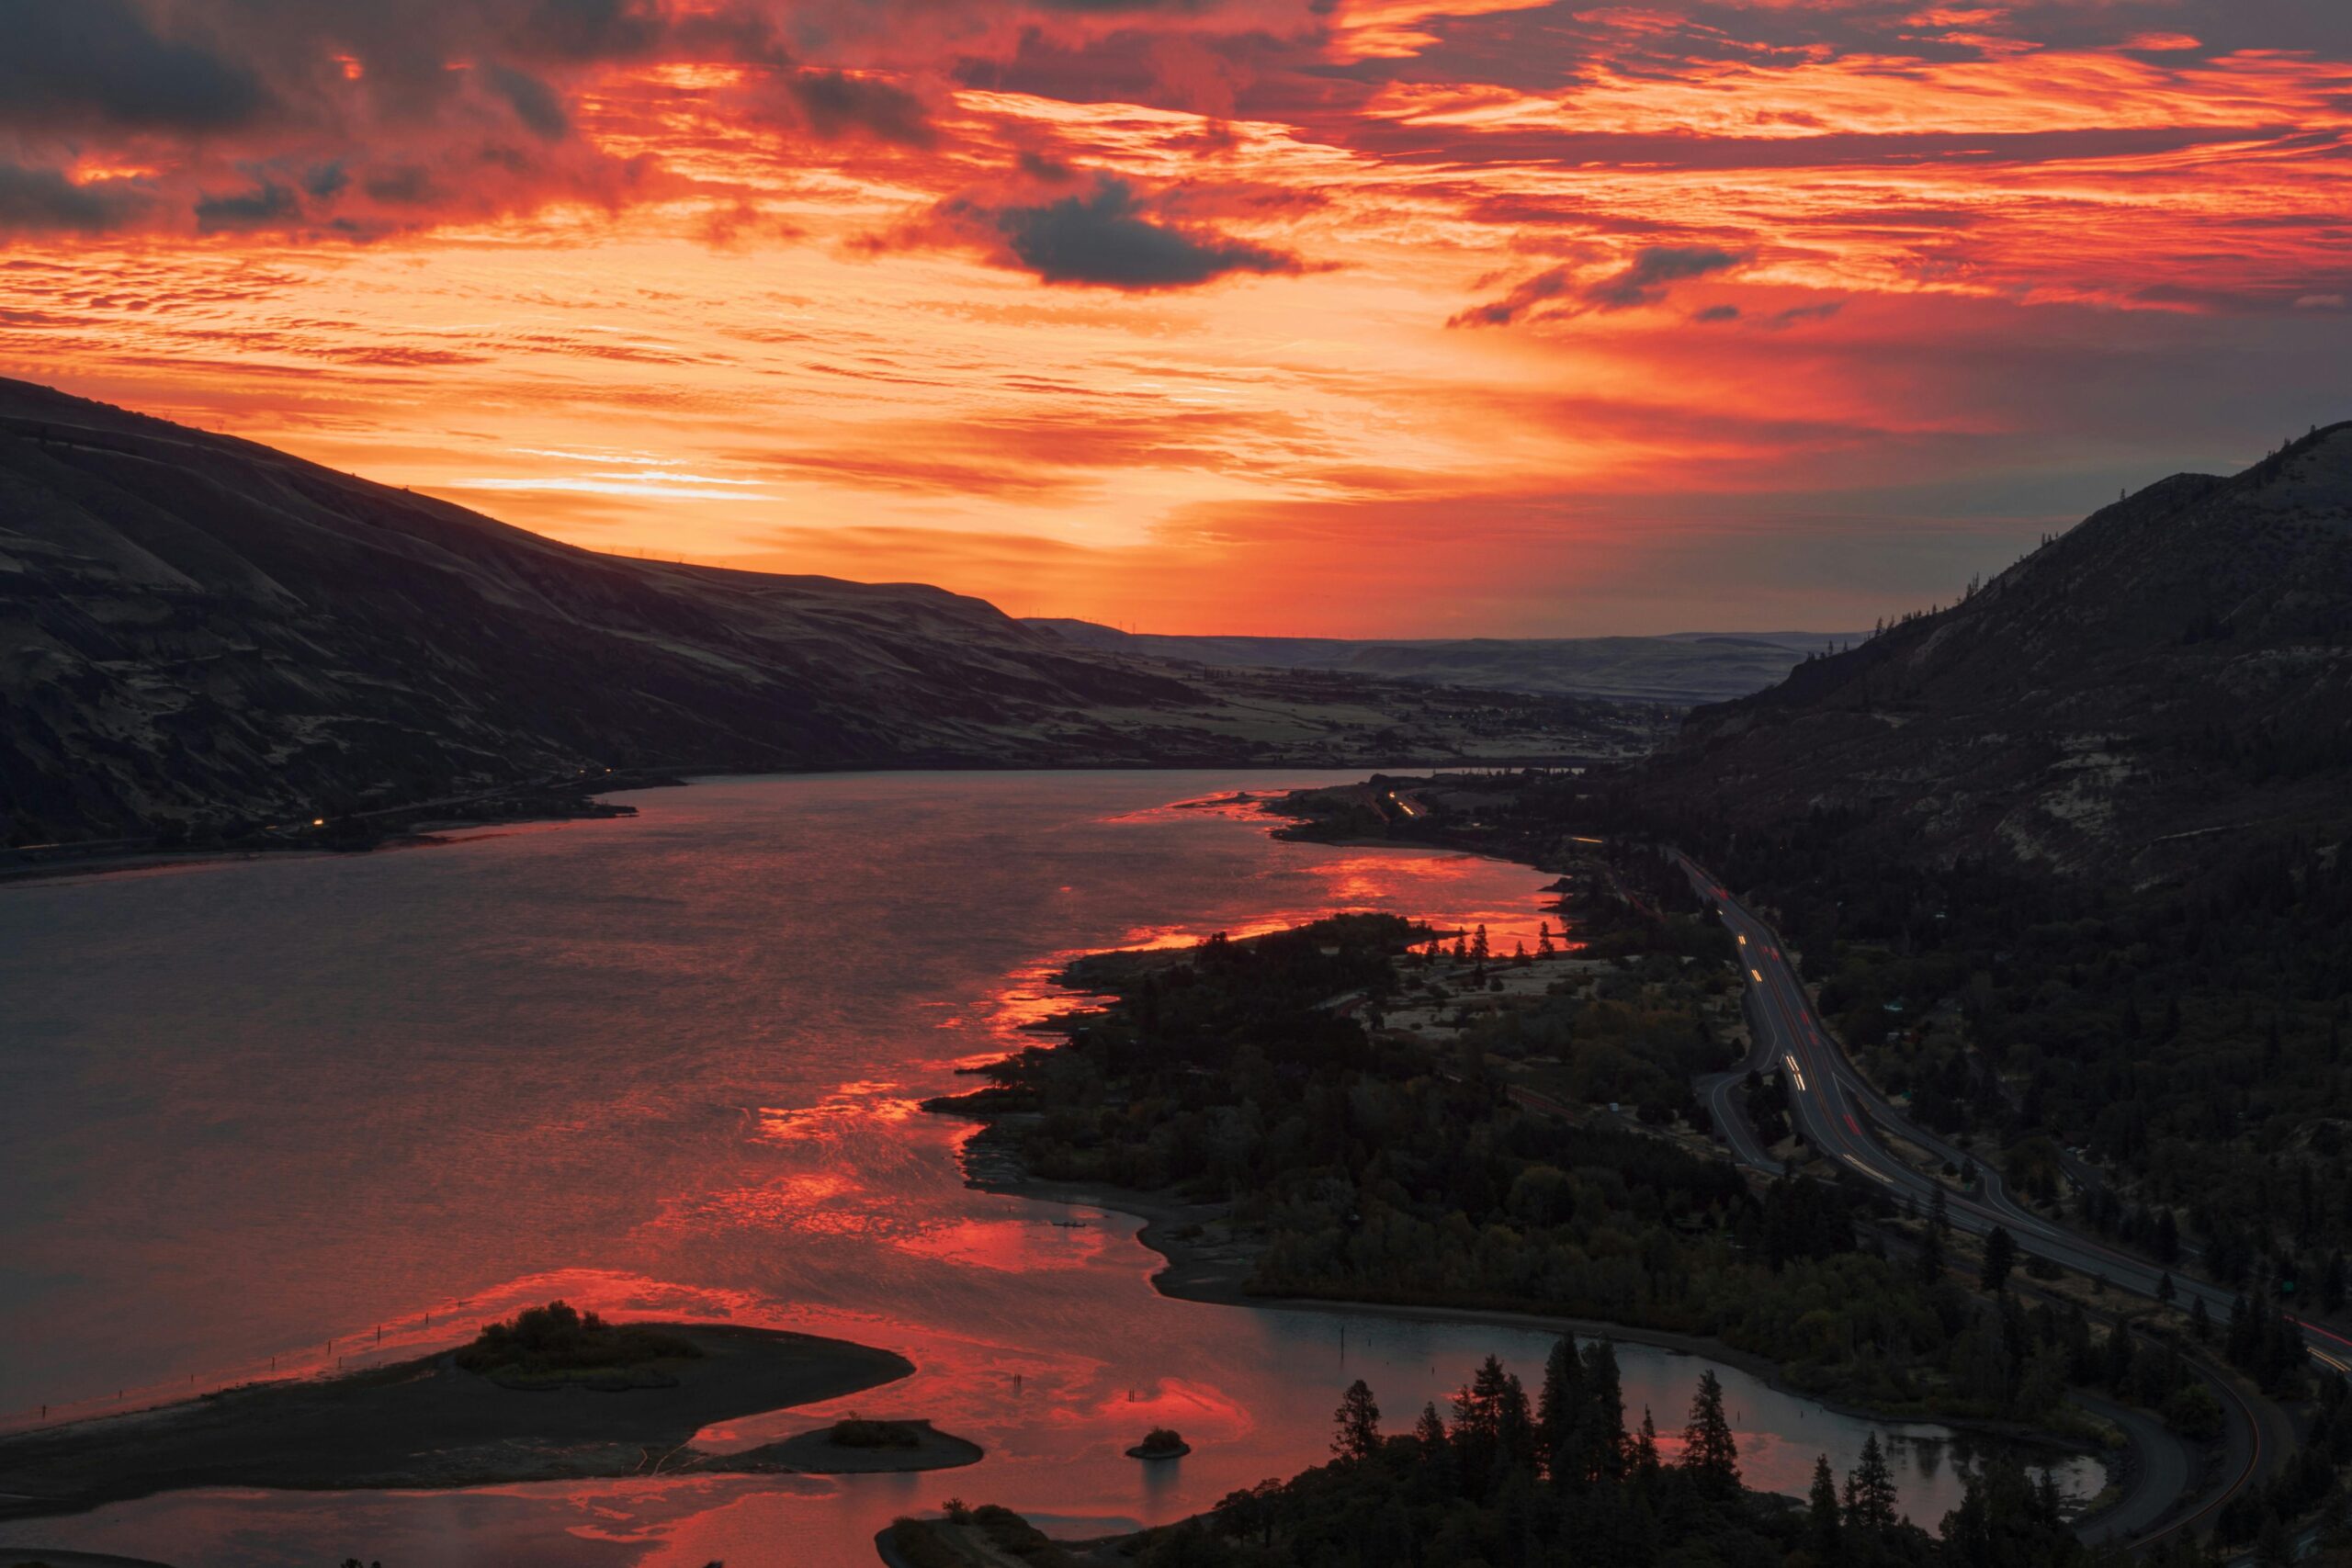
<point>465,1080</point>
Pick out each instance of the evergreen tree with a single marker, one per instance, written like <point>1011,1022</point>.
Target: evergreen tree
<point>2005,1521</point>
<point>1358,1423</point>
<point>2200,1321</point>
<point>1559,1404</point>
<point>1870,1489</point>
<point>1710,1456</point>
<point>2000,1256</point>
<point>1430,1431</point>
<point>1543,948</point>
<point>1930,1264</point>
<point>1822,1531</point>
<point>1479,951</point>
<point>1599,1441</point>
<point>1646,1463</point>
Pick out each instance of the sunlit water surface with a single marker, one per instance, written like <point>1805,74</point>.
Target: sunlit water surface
<point>671,1065</point>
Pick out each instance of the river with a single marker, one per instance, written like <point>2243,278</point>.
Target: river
<point>285,1113</point>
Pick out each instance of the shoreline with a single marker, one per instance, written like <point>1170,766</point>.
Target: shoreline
<point>423,1424</point>
<point>1190,1274</point>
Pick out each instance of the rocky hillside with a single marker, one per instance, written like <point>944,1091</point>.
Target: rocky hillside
<point>202,632</point>
<point>2173,670</point>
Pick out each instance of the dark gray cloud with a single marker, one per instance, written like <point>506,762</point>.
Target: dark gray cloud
<point>1549,284</point>
<point>67,62</point>
<point>268,204</point>
<point>1654,270</point>
<point>37,200</point>
<point>1645,280</point>
<point>830,104</point>
<point>536,104</point>
<point>1107,238</point>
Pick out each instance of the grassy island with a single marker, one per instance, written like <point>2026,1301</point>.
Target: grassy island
<point>589,1404</point>
<point>551,1345</point>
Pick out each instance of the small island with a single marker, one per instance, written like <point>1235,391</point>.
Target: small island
<point>855,1446</point>
<point>552,1393</point>
<point>1160,1442</point>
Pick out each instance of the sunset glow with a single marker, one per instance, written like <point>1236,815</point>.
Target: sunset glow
<point>1393,316</point>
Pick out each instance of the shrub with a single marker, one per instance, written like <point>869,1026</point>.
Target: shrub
<point>559,1338</point>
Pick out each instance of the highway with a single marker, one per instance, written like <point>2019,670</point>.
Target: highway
<point>1842,1117</point>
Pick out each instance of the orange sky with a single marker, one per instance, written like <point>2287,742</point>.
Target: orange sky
<point>1405,317</point>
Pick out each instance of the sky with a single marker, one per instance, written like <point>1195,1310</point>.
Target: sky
<point>1419,318</point>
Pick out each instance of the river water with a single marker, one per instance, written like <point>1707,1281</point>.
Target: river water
<point>288,1113</point>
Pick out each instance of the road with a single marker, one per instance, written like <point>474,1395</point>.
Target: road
<point>1838,1111</point>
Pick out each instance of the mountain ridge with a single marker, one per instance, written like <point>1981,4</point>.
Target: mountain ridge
<point>203,631</point>
<point>2177,664</point>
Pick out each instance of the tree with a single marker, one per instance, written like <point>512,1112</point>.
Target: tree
<point>1870,1489</point>
<point>1598,1445</point>
<point>1358,1423</point>
<point>1480,951</point>
<point>1430,1431</point>
<point>2000,1256</point>
<point>1646,1464</point>
<point>1543,948</point>
<point>1821,1532</point>
<point>1929,1265</point>
<point>2200,1321</point>
<point>1559,1407</point>
<point>2165,1290</point>
<point>1709,1457</point>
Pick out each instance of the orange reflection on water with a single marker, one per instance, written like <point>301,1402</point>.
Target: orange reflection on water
<point>1196,1410</point>
<point>1020,1246</point>
<point>869,1101</point>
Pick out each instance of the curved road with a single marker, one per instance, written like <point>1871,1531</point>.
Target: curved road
<point>1835,1108</point>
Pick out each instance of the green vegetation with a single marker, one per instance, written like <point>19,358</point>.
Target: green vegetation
<point>1511,1482</point>
<point>1368,1166</point>
<point>854,1432</point>
<point>2164,1065</point>
<point>558,1341</point>
<point>1160,1442</point>
<point>1000,1533</point>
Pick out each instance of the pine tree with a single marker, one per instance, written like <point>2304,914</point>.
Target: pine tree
<point>1870,1489</point>
<point>1710,1456</point>
<point>1598,1445</point>
<point>1480,951</point>
<point>1930,1262</point>
<point>1543,948</point>
<point>2164,1291</point>
<point>1559,1406</point>
<point>2000,1256</point>
<point>1430,1431</point>
<point>2200,1321</point>
<point>1358,1423</point>
<point>1646,1463</point>
<point>1821,1532</point>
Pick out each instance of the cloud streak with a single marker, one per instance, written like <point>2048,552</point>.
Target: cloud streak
<point>1163,282</point>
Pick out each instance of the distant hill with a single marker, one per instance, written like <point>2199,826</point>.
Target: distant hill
<point>199,630</point>
<point>1679,670</point>
<point>2170,678</point>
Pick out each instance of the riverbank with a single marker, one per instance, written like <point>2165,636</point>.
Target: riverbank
<point>427,1424</point>
<point>1204,1268</point>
